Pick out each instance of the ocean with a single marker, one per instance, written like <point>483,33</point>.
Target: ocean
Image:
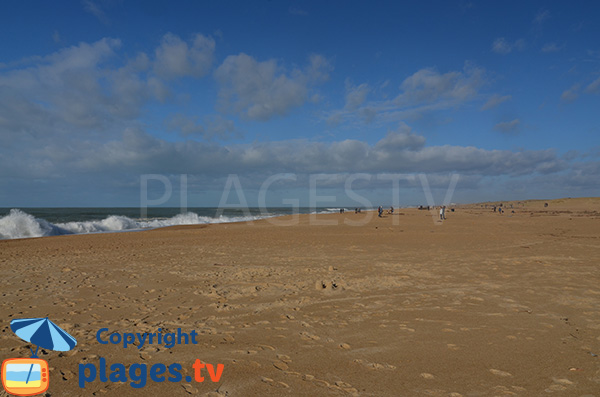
<point>40,222</point>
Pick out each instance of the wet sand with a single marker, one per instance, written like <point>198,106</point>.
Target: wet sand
<point>481,305</point>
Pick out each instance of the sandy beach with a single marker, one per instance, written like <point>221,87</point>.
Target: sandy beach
<point>481,305</point>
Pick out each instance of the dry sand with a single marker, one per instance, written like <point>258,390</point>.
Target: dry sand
<point>482,305</point>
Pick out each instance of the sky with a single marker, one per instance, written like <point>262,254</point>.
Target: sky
<point>325,102</point>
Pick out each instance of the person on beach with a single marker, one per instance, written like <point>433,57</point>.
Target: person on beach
<point>380,211</point>
<point>442,212</point>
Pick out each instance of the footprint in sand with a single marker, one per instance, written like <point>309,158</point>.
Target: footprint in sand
<point>307,336</point>
<point>285,358</point>
<point>554,388</point>
<point>331,285</point>
<point>426,375</point>
<point>66,374</point>
<point>562,381</point>
<point>342,384</point>
<point>280,365</point>
<point>254,364</point>
<point>344,387</point>
<point>228,338</point>
<point>271,382</point>
<point>321,383</point>
<point>189,389</point>
<point>268,381</point>
<point>498,372</point>
<point>376,366</point>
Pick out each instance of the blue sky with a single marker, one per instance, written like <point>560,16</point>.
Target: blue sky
<point>96,93</point>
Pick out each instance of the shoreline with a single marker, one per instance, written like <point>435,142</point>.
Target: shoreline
<point>31,226</point>
<point>520,204</point>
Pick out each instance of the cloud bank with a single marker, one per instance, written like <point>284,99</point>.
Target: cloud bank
<point>76,118</point>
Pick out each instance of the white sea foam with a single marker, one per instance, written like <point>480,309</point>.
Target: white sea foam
<point>328,211</point>
<point>19,224</point>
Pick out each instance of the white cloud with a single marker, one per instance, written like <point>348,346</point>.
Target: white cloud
<point>74,114</point>
<point>185,125</point>
<point>401,139</point>
<point>520,44</point>
<point>210,127</point>
<point>508,127</point>
<point>368,114</point>
<point>175,58</point>
<point>424,91</point>
<point>81,90</point>
<point>502,46</point>
<point>594,87</point>
<point>334,119</point>
<point>400,151</point>
<point>262,90</point>
<point>318,69</point>
<point>494,101</point>
<point>542,16</point>
<point>109,165</point>
<point>551,47</point>
<point>356,95</point>
<point>221,127</point>
<point>94,9</point>
<point>571,94</point>
<point>130,91</point>
<point>428,86</point>
<point>64,87</point>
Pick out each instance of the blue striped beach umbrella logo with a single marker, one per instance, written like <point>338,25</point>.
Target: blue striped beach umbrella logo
<point>43,332</point>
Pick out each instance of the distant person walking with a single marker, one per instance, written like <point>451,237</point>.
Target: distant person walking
<point>443,212</point>
<point>380,211</point>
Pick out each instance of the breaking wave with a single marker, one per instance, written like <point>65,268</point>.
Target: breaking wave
<point>19,224</point>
